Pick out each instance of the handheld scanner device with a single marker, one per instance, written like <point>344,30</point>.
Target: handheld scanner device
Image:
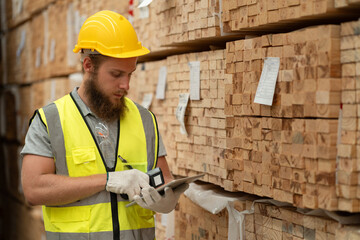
<point>156,177</point>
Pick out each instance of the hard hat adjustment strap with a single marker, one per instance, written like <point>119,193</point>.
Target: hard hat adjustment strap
<point>89,51</point>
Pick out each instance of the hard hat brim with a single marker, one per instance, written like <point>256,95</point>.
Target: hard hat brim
<point>136,53</point>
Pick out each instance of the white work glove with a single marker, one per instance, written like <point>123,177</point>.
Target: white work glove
<point>152,200</point>
<point>129,182</point>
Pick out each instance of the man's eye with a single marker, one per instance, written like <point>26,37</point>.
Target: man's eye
<point>116,75</point>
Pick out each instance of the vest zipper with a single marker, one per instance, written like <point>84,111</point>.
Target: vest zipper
<point>113,196</point>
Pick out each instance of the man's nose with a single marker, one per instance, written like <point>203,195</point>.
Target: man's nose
<point>124,83</point>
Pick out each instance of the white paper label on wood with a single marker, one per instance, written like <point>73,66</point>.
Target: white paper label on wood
<point>21,45</point>
<point>194,80</point>
<point>38,57</point>
<point>143,11</point>
<point>17,7</point>
<point>52,50</point>
<point>147,99</point>
<point>266,87</point>
<point>180,111</point>
<point>46,37</point>
<point>144,3</point>
<point>161,85</point>
<point>71,40</point>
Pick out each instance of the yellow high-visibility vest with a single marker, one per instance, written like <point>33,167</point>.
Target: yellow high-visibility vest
<point>76,153</point>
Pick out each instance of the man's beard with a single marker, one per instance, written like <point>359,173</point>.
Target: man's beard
<point>101,104</point>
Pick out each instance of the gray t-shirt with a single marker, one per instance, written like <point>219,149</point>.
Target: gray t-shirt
<point>37,140</point>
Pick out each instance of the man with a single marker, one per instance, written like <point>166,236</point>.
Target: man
<point>87,152</point>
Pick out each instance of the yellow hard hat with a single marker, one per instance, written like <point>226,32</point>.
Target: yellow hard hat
<point>111,34</point>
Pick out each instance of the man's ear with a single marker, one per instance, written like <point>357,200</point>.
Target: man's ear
<point>88,65</point>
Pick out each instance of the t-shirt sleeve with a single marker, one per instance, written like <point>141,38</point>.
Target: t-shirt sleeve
<point>162,150</point>
<point>37,140</point>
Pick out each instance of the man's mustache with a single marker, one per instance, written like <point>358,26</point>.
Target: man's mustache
<point>121,92</point>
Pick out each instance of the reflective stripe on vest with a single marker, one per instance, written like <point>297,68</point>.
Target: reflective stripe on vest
<point>145,234</point>
<point>76,154</point>
<point>56,138</point>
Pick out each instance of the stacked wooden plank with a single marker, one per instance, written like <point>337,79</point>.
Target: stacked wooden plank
<point>189,20</point>
<point>204,148</point>
<point>82,9</point>
<point>348,169</point>
<point>37,43</point>
<point>41,47</point>
<point>272,222</point>
<point>265,15</point>
<point>193,222</point>
<point>160,229</point>
<point>266,222</point>
<point>347,3</point>
<point>173,27</point>
<point>17,12</point>
<point>144,81</point>
<point>146,24</point>
<point>57,58</point>
<point>309,73</point>
<point>286,151</point>
<point>18,55</point>
<point>45,92</point>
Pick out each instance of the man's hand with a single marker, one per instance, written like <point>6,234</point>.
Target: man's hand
<point>129,182</point>
<point>152,200</point>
